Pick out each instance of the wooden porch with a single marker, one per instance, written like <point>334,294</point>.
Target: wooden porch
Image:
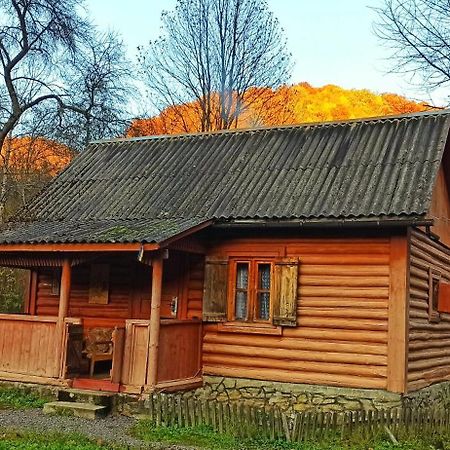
<point>143,355</point>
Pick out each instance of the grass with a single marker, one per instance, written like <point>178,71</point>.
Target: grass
<point>49,441</point>
<point>204,437</point>
<point>19,399</point>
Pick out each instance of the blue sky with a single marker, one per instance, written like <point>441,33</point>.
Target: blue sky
<point>331,40</point>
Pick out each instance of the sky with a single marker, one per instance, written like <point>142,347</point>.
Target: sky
<point>332,41</point>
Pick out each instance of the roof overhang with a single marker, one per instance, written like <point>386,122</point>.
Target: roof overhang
<point>325,223</point>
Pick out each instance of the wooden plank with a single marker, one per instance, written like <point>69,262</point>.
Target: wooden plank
<point>155,317</point>
<point>62,314</point>
<point>398,315</point>
<point>118,339</point>
<point>179,353</point>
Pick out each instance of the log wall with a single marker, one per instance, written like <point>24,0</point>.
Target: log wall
<point>440,208</point>
<point>429,343</point>
<point>130,291</point>
<point>342,325</point>
<point>117,309</point>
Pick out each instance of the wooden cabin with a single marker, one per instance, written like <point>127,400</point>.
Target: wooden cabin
<point>316,254</point>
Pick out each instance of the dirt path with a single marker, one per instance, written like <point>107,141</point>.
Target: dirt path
<point>111,429</point>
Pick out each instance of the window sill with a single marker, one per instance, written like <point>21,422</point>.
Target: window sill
<point>234,327</point>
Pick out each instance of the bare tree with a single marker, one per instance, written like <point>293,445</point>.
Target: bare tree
<point>98,84</point>
<point>36,38</point>
<point>418,33</point>
<point>220,56</point>
<point>57,71</point>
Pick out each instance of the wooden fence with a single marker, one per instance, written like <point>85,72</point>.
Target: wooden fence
<point>272,423</point>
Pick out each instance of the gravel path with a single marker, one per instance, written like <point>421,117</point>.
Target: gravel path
<point>112,429</point>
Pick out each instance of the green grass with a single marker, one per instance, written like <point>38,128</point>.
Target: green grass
<point>204,437</point>
<point>15,398</point>
<point>49,441</point>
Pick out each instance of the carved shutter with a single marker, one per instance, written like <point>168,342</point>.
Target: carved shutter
<point>215,289</point>
<point>285,292</point>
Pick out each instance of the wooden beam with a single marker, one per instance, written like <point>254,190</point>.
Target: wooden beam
<point>155,322</point>
<point>398,314</point>
<point>33,292</point>
<point>110,247</point>
<point>63,309</point>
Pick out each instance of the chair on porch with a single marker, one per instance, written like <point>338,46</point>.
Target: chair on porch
<point>99,346</point>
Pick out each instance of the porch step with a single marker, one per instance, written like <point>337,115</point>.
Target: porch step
<point>86,396</point>
<point>78,409</point>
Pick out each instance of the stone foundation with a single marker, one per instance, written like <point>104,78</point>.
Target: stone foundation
<point>284,396</point>
<point>297,397</point>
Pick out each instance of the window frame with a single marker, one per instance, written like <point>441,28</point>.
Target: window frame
<point>434,277</point>
<point>252,291</point>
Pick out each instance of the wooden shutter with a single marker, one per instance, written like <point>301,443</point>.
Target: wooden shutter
<point>444,297</point>
<point>285,292</point>
<point>215,289</point>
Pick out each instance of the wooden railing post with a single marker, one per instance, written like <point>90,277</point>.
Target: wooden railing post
<point>64,294</point>
<point>155,316</point>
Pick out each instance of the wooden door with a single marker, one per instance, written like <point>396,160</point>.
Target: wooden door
<point>173,272</point>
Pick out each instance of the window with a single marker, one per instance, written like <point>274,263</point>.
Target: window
<point>434,279</point>
<point>251,283</point>
<point>245,291</point>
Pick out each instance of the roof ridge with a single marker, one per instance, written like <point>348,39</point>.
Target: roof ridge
<point>237,131</point>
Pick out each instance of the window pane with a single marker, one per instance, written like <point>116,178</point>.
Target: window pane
<point>263,306</point>
<point>264,276</point>
<point>241,306</point>
<point>242,275</point>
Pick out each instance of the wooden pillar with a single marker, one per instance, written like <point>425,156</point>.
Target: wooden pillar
<point>155,316</point>
<point>64,294</point>
<point>398,315</point>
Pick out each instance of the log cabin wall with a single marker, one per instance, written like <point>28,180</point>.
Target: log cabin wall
<point>429,340</point>
<point>342,316</point>
<point>120,292</point>
<point>129,290</point>
<point>440,208</point>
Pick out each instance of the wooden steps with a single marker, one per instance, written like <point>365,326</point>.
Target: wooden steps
<point>84,410</point>
<point>81,403</point>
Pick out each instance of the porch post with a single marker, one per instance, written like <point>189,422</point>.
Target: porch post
<point>64,294</point>
<point>157,272</point>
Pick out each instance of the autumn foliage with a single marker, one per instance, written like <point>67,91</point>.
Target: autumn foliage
<point>300,103</point>
<point>28,154</point>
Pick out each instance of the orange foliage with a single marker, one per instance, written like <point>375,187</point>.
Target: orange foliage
<point>36,154</point>
<point>300,103</point>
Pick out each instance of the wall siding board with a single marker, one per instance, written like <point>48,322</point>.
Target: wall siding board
<point>342,316</point>
<point>428,355</point>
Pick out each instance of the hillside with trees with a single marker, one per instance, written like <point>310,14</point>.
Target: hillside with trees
<point>300,103</point>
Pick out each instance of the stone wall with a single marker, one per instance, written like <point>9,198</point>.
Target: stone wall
<point>285,396</point>
<point>298,397</point>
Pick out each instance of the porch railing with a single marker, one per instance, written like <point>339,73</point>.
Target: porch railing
<point>27,345</point>
<point>179,355</point>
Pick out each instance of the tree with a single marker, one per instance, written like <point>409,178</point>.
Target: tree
<point>97,84</point>
<point>211,55</point>
<point>418,33</point>
<point>37,38</point>
<point>303,103</point>
<point>58,72</point>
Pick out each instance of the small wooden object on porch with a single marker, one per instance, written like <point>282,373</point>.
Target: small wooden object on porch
<point>99,346</point>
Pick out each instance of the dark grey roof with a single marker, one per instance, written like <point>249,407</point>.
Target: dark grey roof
<point>373,168</point>
<point>93,231</point>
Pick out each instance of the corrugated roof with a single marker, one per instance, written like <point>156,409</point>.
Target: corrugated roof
<point>372,168</point>
<point>120,231</point>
